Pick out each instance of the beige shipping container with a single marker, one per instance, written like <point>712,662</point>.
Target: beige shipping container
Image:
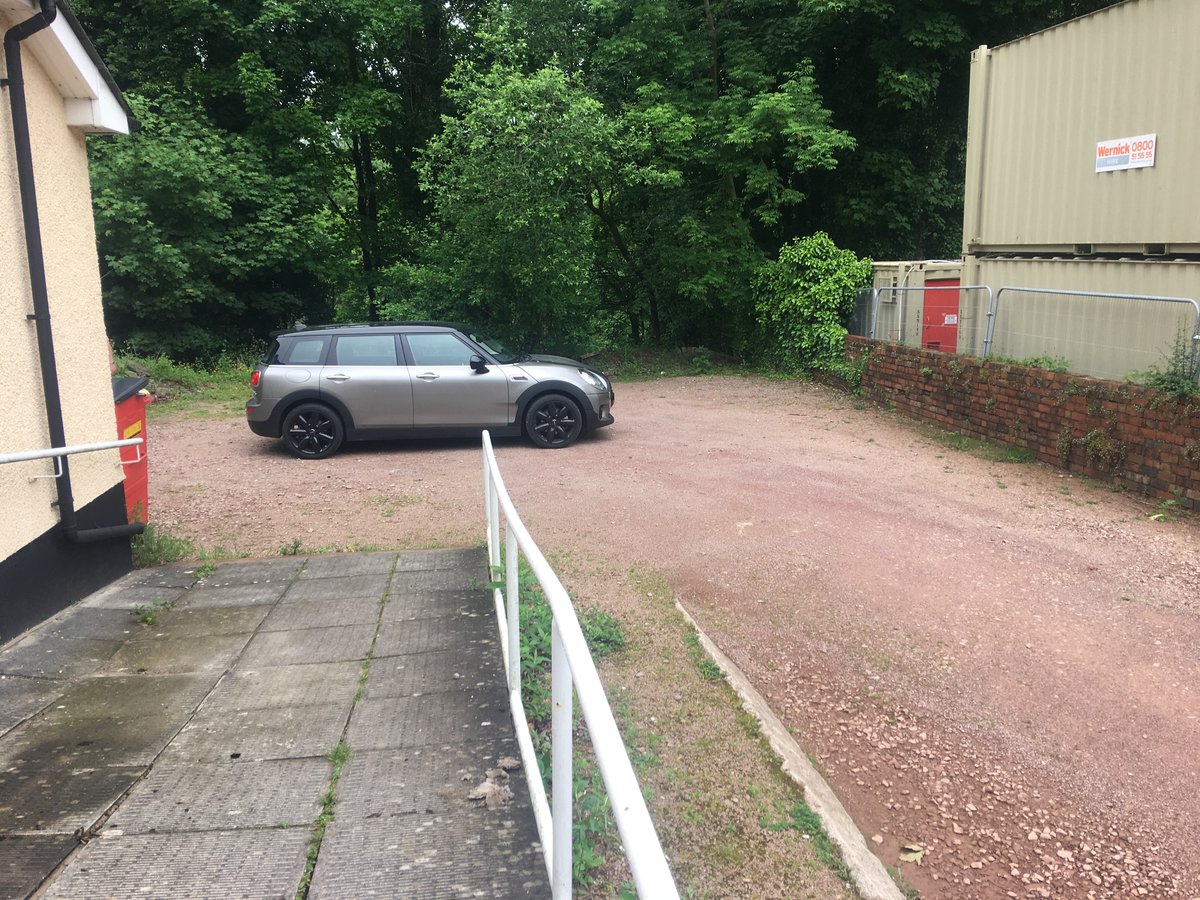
<point>1102,336</point>
<point>1083,138</point>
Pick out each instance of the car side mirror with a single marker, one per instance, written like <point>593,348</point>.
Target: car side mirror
<point>478,364</point>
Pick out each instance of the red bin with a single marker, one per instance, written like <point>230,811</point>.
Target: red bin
<point>131,399</point>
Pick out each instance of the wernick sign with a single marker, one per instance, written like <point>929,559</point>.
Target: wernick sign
<point>1126,153</point>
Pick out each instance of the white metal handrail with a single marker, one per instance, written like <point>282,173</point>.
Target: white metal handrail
<point>572,667</point>
<point>57,453</point>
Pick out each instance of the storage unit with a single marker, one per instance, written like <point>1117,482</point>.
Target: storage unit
<point>131,399</point>
<point>917,303</point>
<point>1081,178</point>
<point>1054,116</point>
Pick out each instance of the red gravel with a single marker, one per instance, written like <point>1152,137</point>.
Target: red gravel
<point>996,662</point>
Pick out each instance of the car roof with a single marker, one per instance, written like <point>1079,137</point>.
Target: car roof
<point>353,327</point>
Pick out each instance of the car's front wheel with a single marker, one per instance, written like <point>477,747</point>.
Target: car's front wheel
<point>553,421</point>
<point>312,431</point>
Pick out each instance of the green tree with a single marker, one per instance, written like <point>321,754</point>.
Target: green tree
<point>203,248</point>
<point>507,179</point>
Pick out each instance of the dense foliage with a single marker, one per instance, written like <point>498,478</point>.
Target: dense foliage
<point>575,173</point>
<point>803,300</point>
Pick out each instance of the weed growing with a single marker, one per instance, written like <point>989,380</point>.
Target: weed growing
<point>800,817</point>
<point>592,826</point>
<point>154,547</point>
<point>147,614</point>
<point>980,449</point>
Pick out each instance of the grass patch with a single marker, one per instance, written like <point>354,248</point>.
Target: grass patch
<point>593,828</point>
<point>802,819</point>
<point>978,448</point>
<point>182,390</point>
<point>646,363</point>
<point>154,547</point>
<point>710,778</point>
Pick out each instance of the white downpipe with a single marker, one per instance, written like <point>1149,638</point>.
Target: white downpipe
<point>572,664</point>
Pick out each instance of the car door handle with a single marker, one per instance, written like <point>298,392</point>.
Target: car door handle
<point>429,376</point>
<point>338,378</point>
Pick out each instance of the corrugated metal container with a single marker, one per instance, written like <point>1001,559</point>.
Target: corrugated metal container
<point>1106,337</point>
<point>901,288</point>
<point>1040,107</point>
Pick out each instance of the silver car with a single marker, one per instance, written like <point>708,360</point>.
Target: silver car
<point>317,387</point>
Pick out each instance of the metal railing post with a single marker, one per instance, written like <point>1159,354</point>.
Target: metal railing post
<point>562,783</point>
<point>512,565</point>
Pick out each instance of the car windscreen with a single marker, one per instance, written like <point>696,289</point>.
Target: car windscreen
<point>503,354</point>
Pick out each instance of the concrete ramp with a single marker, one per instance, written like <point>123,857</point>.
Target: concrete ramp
<point>336,709</point>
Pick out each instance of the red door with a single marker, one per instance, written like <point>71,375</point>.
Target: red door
<point>939,321</point>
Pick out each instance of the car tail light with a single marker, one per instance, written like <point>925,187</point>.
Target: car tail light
<point>254,377</point>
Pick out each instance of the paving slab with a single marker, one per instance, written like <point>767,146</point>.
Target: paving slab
<point>160,654</point>
<point>206,597</point>
<point>21,697</point>
<point>47,656</point>
<point>348,565</point>
<point>70,743</point>
<point>272,687</point>
<point>31,800</point>
<point>288,733</point>
<point>309,645</point>
<point>96,623</point>
<point>439,580</point>
<point>337,588</point>
<point>268,571</point>
<point>254,864</point>
<point>430,720</point>
<point>422,780</point>
<point>226,795</point>
<point>204,622</point>
<point>481,853</point>
<point>467,634</point>
<point>26,859</point>
<point>130,697</point>
<point>437,604</point>
<point>323,613</point>
<point>473,559</point>
<point>432,672</point>
<point>129,596</point>
<point>179,575</point>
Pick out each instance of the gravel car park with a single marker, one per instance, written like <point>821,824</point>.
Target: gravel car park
<point>318,387</point>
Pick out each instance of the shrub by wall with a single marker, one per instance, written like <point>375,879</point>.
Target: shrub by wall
<point>1120,433</point>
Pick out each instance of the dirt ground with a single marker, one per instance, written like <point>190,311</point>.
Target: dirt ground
<point>995,663</point>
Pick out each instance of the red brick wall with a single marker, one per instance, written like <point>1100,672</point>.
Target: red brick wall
<point>1120,433</point>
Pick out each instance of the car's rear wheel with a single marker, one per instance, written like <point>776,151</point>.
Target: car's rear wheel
<point>312,431</point>
<point>553,421</point>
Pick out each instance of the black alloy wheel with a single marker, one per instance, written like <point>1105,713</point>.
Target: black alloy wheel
<point>312,431</point>
<point>553,421</point>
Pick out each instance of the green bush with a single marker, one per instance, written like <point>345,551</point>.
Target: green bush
<point>803,301</point>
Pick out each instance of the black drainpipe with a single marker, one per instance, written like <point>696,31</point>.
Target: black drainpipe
<point>37,276</point>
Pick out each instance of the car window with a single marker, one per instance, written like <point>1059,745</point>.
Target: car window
<point>365,350</point>
<point>303,351</point>
<point>438,350</point>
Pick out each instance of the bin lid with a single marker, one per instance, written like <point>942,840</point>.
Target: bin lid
<point>124,388</point>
